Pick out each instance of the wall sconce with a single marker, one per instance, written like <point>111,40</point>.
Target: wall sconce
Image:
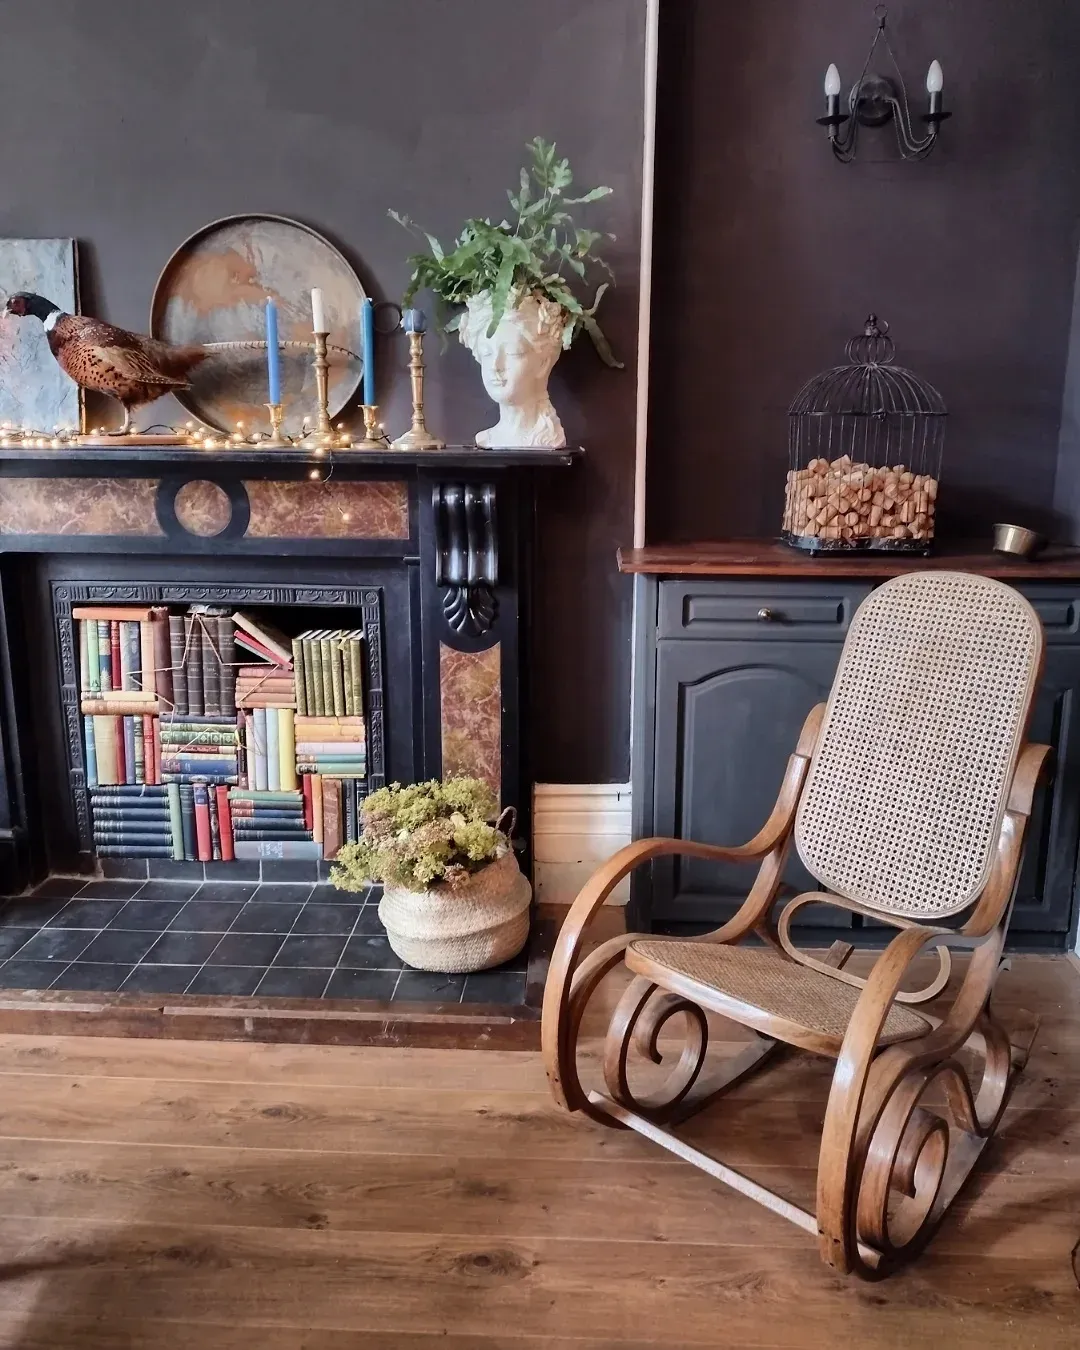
<point>877,99</point>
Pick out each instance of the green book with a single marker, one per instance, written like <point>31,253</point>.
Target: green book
<point>298,676</point>
<point>90,642</point>
<point>175,821</point>
<point>313,673</point>
<point>326,662</point>
<point>337,672</point>
<point>308,673</point>
<point>355,678</point>
<point>264,798</point>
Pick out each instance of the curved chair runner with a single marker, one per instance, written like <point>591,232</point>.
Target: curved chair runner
<point>907,798</point>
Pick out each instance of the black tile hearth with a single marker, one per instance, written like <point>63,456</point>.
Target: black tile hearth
<point>97,976</point>
<point>287,940</point>
<point>148,979</point>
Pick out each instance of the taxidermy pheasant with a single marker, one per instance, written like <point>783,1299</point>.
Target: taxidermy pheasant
<point>129,367</point>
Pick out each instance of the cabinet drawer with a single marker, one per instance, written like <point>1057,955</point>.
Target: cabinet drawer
<point>1058,608</point>
<point>751,609</point>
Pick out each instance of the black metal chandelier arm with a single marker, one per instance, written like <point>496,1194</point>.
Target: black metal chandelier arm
<point>911,146</point>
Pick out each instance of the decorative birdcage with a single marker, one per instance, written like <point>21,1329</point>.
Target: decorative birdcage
<point>865,443</point>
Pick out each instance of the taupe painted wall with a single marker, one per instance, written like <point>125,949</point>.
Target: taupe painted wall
<point>769,254</point>
<point>131,123</point>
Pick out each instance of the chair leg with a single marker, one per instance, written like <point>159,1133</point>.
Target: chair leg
<point>910,1162</point>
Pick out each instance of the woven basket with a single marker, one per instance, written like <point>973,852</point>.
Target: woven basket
<point>469,927</point>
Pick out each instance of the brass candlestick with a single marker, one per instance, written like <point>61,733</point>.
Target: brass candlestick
<point>275,441</point>
<point>322,438</point>
<point>417,437</point>
<point>374,437</point>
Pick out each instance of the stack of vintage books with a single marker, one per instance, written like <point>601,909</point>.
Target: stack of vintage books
<point>210,735</point>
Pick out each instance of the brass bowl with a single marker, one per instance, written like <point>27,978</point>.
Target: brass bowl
<point>1017,541</point>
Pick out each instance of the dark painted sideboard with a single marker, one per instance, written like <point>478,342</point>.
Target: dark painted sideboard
<point>735,642</point>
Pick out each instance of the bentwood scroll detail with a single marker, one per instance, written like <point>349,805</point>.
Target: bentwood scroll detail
<point>467,554</point>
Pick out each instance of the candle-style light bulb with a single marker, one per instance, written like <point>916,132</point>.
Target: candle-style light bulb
<point>318,314</point>
<point>935,79</point>
<point>832,82</point>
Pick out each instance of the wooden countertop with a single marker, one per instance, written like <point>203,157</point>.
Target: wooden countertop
<point>768,558</point>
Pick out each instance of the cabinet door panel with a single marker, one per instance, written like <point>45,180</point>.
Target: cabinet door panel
<point>1044,895</point>
<point>728,717</point>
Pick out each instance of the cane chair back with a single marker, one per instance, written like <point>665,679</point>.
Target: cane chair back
<point>909,781</point>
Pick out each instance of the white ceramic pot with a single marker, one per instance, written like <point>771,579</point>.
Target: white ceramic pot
<point>516,362</point>
<point>481,923</point>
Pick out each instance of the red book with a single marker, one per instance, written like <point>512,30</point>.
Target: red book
<point>114,652</point>
<point>309,812</point>
<point>150,770</point>
<point>203,849</point>
<point>121,757</point>
<point>224,812</point>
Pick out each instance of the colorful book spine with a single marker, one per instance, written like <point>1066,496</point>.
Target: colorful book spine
<point>298,675</point>
<point>138,748</point>
<point>121,757</point>
<point>294,850</point>
<point>93,672</point>
<point>263,798</point>
<point>104,656</point>
<point>211,664</point>
<point>349,831</point>
<point>141,851</point>
<point>287,779</point>
<point>326,678</point>
<point>203,848</point>
<point>243,832</point>
<point>224,816</point>
<point>258,749</point>
<point>173,734</point>
<point>312,749</point>
<point>149,724</point>
<point>316,807</point>
<point>273,757</point>
<point>176,823</point>
<point>187,820</point>
<point>130,655</point>
<point>91,753</point>
<point>332,834</point>
<point>215,828</point>
<point>307,647</point>
<point>337,674</point>
<point>226,651</point>
<point>355,684</point>
<point>84,658</point>
<point>115,675</point>
<point>309,811</point>
<point>146,675</point>
<point>177,669</point>
<point>194,666</point>
<point>161,648</point>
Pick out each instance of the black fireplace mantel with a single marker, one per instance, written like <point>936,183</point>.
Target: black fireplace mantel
<point>435,548</point>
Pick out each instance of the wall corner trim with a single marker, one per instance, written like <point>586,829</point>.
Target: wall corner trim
<point>576,826</point>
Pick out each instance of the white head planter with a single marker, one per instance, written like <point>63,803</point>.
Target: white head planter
<point>516,362</point>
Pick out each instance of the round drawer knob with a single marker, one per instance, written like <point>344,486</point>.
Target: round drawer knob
<point>765,615</point>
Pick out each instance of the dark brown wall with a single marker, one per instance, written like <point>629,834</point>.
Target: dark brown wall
<point>769,254</point>
<point>131,123</point>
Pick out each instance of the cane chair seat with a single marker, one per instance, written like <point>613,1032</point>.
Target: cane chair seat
<point>759,988</point>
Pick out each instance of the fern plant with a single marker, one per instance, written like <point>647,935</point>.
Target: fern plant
<point>423,833</point>
<point>531,255</point>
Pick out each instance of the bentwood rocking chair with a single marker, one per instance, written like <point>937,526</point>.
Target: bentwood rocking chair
<point>907,798</point>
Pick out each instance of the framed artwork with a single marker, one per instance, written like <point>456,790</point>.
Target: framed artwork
<point>35,394</point>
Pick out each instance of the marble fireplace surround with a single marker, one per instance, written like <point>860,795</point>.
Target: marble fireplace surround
<point>432,548</point>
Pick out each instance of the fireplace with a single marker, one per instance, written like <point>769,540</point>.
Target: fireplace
<point>427,554</point>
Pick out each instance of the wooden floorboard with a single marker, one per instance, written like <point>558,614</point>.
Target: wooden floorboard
<point>167,1195</point>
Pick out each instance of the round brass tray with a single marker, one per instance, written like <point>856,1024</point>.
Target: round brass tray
<point>214,290</point>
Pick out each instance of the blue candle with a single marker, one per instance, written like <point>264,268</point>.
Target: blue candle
<point>414,321</point>
<point>367,334</point>
<point>273,366</point>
